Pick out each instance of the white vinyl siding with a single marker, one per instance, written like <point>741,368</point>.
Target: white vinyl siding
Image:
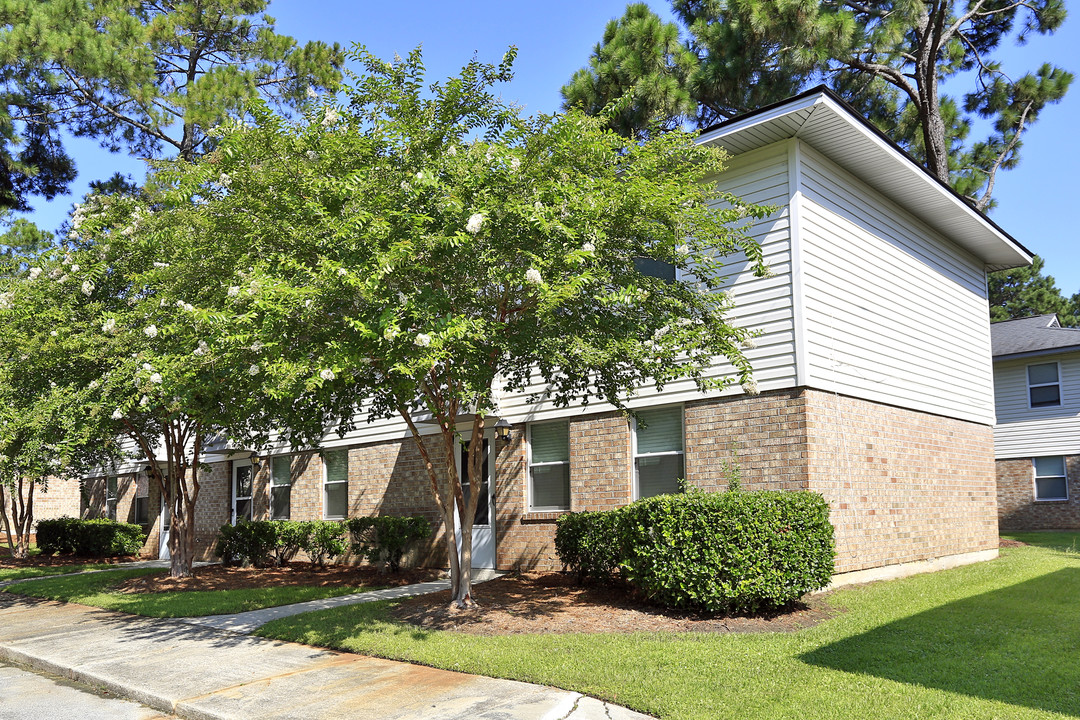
<point>658,452</point>
<point>894,313</point>
<point>1051,482</point>
<point>549,466</point>
<point>1025,431</point>
<point>335,484</point>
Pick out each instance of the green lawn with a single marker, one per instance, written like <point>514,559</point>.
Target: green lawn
<point>95,589</point>
<point>1068,541</point>
<point>993,640</point>
<point>42,571</point>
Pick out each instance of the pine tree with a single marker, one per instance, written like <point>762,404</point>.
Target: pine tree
<point>1025,291</point>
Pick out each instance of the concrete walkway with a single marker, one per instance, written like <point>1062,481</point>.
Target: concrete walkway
<point>247,622</point>
<point>203,673</point>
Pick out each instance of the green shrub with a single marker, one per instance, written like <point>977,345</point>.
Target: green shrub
<point>722,552</point>
<point>261,542</point>
<point>100,537</point>
<point>326,541</point>
<point>585,543</point>
<point>386,538</point>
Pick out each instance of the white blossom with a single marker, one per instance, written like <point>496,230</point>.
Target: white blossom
<point>87,288</point>
<point>390,333</point>
<point>73,235</point>
<point>35,272</point>
<point>188,307</point>
<point>234,291</point>
<point>256,346</point>
<point>147,367</point>
<point>422,340</point>
<point>225,180</point>
<point>515,164</point>
<point>342,272</point>
<point>538,206</point>
<point>683,249</point>
<point>94,385</point>
<point>451,151</point>
<point>532,276</point>
<point>67,259</point>
<point>253,370</point>
<point>749,343</point>
<point>312,155</point>
<point>160,265</point>
<point>475,221</point>
<point>588,247</point>
<point>419,174</point>
<point>75,268</point>
<point>55,273</point>
<point>330,117</point>
<point>327,374</point>
<point>202,349</point>
<point>128,231</point>
<point>144,401</point>
<point>151,331</point>
<point>401,298</point>
<point>5,301</point>
<point>750,387</point>
<point>109,328</point>
<point>63,279</point>
<point>53,333</point>
<point>311,92</point>
<point>406,186</point>
<point>117,414</point>
<point>156,378</point>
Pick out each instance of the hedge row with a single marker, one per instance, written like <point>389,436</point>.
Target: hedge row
<point>723,552</point>
<point>100,537</point>
<point>274,542</point>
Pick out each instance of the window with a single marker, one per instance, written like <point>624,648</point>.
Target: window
<point>142,502</point>
<point>335,484</point>
<point>242,483</point>
<point>110,498</point>
<point>655,268</point>
<point>549,466</point>
<point>1044,387</point>
<point>280,487</point>
<point>658,452</point>
<point>1051,482</point>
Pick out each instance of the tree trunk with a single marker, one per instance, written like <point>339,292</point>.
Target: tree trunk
<point>17,526</point>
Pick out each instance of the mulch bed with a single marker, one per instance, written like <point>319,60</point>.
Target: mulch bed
<point>554,603</point>
<point>295,574</point>
<point>1006,543</point>
<point>6,561</point>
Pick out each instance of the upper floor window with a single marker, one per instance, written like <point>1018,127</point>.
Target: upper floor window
<point>549,466</point>
<point>335,484</point>
<point>658,452</point>
<point>1044,385</point>
<point>1051,483</point>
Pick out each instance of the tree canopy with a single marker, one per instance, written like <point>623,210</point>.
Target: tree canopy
<point>1024,292</point>
<point>892,60</point>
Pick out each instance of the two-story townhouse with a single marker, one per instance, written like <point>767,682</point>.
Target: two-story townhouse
<point>873,365</point>
<point>1037,436</point>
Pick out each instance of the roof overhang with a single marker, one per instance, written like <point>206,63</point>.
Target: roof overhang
<point>824,121</point>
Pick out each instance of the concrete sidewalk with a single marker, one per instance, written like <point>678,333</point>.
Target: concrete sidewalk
<point>206,674</point>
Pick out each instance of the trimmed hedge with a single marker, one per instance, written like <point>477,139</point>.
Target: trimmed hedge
<point>722,552</point>
<point>386,538</point>
<point>261,543</point>
<point>100,537</point>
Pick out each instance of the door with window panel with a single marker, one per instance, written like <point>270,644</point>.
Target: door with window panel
<point>483,531</point>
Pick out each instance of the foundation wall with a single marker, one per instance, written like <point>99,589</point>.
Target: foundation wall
<point>1019,510</point>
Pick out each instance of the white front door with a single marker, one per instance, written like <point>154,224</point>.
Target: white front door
<point>241,491</point>
<point>483,530</point>
<point>166,523</point>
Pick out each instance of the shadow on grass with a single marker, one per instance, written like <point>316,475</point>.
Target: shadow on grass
<point>1016,645</point>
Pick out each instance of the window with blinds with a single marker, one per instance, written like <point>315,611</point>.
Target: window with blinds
<point>549,466</point>
<point>335,484</point>
<point>658,452</point>
<point>1051,481</point>
<point>281,487</point>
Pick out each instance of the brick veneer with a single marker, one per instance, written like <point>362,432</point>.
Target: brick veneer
<point>1017,507</point>
<point>904,486</point>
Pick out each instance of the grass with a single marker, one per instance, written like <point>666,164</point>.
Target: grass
<point>20,573</point>
<point>1067,541</point>
<point>992,640</point>
<point>97,590</point>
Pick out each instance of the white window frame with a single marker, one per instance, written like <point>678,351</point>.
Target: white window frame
<point>273,484</point>
<point>1035,477</point>
<point>345,482</point>
<point>1027,380</point>
<point>530,465</point>
<point>634,445</point>
<point>250,498</point>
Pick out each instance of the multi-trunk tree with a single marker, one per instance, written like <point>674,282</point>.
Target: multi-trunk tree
<point>412,251</point>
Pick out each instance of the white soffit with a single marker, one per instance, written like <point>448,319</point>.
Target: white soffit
<point>824,123</point>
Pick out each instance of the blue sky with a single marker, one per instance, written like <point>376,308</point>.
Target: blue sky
<point>1037,202</point>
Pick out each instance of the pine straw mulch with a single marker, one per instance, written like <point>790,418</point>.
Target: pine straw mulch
<point>7,562</point>
<point>1006,543</point>
<point>554,603</point>
<point>294,574</point>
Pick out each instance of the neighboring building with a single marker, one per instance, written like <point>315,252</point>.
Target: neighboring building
<point>1037,437</point>
<point>873,362</point>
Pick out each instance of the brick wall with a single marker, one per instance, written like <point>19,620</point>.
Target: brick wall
<point>1017,507</point>
<point>61,499</point>
<point>903,485</point>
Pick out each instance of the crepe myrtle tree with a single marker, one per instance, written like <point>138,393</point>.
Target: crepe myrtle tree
<point>120,315</point>
<point>417,246</point>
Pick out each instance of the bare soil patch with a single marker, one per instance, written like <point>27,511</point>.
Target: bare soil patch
<point>296,574</point>
<point>554,603</point>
